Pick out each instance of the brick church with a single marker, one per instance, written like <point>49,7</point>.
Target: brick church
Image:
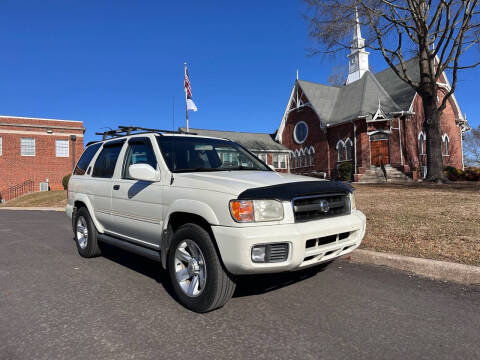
<point>372,119</point>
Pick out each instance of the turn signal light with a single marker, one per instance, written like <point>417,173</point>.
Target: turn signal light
<point>242,210</point>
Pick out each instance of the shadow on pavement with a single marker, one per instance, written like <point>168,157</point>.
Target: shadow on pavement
<point>139,264</point>
<point>259,284</point>
<point>247,285</point>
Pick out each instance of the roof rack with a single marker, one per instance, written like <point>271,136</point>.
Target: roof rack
<point>128,130</point>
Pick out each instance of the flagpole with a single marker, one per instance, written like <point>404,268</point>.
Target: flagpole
<point>186,106</point>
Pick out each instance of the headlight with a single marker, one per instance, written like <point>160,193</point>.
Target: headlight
<point>353,206</point>
<point>256,210</point>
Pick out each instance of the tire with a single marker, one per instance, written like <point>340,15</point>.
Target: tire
<point>87,244</point>
<point>192,255</point>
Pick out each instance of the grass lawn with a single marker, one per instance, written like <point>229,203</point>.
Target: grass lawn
<point>439,222</point>
<point>40,199</point>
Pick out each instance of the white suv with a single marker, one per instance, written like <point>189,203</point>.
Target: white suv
<point>207,209</point>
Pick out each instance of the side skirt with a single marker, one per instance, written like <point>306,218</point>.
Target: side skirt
<point>128,246</point>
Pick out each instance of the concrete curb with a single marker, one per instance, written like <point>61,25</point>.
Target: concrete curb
<point>433,269</point>
<point>34,208</point>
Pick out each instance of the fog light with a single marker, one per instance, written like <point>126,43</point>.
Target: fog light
<point>258,253</point>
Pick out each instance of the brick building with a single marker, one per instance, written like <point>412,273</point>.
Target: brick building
<point>262,145</point>
<point>372,119</point>
<point>33,149</point>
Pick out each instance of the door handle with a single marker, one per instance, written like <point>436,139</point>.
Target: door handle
<point>116,187</point>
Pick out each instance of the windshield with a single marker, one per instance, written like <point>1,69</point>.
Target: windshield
<point>190,154</point>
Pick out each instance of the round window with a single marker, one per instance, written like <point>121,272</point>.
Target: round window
<point>300,132</point>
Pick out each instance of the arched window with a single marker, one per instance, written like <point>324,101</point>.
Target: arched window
<point>445,142</point>
<point>302,158</point>
<point>421,143</point>
<point>292,160</point>
<point>341,150</point>
<point>311,151</point>
<point>297,159</point>
<point>348,149</point>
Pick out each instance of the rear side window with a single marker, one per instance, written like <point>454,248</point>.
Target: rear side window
<point>85,159</point>
<point>139,152</point>
<point>106,161</point>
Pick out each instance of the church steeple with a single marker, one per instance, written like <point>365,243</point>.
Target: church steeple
<point>358,57</point>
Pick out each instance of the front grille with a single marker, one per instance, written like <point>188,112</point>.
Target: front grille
<point>276,252</point>
<point>310,208</point>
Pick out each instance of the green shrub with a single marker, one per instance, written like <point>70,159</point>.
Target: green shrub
<point>345,171</point>
<point>65,180</point>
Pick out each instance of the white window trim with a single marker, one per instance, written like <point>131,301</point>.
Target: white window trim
<point>275,163</point>
<point>295,132</point>
<point>445,136</point>
<point>34,147</point>
<point>311,160</point>
<point>346,154</point>
<point>68,148</point>
<point>340,142</point>
<point>421,133</point>
<point>292,160</point>
<point>280,156</point>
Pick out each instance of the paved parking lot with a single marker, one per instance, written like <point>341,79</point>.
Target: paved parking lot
<point>57,305</point>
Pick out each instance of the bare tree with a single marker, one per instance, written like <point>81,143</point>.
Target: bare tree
<point>471,144</point>
<point>338,75</point>
<point>437,32</point>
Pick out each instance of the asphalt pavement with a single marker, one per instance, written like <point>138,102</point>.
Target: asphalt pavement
<point>56,305</point>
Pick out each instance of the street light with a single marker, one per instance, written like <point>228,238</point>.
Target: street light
<point>73,138</point>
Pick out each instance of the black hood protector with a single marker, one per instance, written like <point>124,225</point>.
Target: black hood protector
<point>292,190</point>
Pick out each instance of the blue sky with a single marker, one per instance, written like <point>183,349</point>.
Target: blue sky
<point>112,63</point>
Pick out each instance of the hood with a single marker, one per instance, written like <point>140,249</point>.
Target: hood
<point>259,184</point>
<point>235,182</point>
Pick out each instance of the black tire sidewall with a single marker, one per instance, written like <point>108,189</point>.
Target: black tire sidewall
<point>202,239</point>
<point>91,240</point>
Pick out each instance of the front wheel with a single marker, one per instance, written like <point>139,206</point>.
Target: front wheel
<point>198,278</point>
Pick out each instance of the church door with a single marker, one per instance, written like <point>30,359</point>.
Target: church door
<point>379,149</point>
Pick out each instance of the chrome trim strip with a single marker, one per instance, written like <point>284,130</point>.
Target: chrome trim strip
<point>138,218</point>
<point>133,217</point>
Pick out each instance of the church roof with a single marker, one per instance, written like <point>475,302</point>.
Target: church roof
<point>251,141</point>
<point>399,90</point>
<point>335,105</point>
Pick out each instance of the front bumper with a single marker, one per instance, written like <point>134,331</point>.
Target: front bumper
<point>235,243</point>
<point>69,210</point>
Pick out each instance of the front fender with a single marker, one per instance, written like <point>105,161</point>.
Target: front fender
<point>192,207</point>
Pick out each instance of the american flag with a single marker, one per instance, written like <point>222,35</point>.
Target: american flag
<point>188,91</point>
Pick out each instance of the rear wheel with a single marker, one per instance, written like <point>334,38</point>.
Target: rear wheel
<point>198,278</point>
<point>85,234</point>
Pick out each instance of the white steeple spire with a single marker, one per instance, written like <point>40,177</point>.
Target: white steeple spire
<point>358,57</point>
<point>358,33</point>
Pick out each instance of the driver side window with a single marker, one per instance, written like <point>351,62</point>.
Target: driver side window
<point>139,151</point>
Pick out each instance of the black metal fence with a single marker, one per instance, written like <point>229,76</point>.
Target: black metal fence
<point>16,190</point>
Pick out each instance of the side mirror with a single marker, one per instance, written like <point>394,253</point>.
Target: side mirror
<point>144,172</point>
